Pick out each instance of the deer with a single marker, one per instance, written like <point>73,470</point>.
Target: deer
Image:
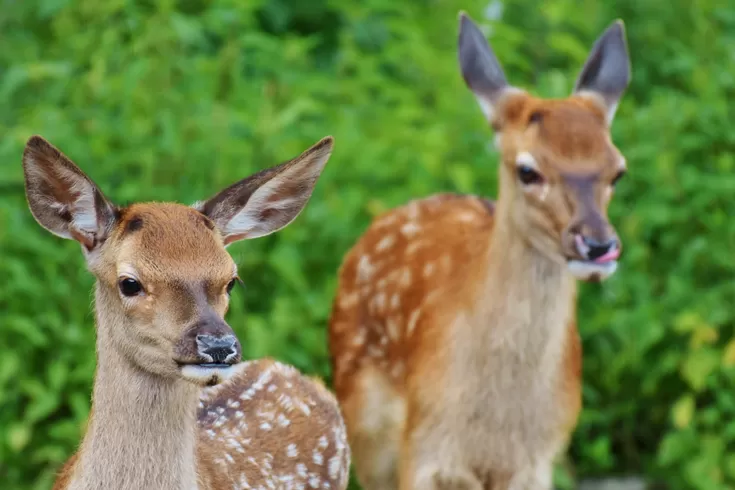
<point>174,405</point>
<point>453,335</point>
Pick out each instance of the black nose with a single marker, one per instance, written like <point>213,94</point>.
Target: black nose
<point>596,249</point>
<point>217,349</point>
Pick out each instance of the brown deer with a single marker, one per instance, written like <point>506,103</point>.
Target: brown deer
<point>453,336</point>
<point>173,406</point>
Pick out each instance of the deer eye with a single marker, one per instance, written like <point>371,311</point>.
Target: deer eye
<point>528,176</point>
<point>617,178</point>
<point>231,285</point>
<point>129,287</point>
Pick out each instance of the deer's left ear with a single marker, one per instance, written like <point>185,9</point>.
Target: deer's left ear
<point>268,200</point>
<point>606,74</point>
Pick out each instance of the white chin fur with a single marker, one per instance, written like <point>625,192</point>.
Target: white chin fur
<point>585,271</point>
<point>206,375</point>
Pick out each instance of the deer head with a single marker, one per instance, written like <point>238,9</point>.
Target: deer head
<point>558,163</point>
<point>163,274</point>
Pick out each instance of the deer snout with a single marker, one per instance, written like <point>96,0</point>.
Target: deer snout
<point>218,349</point>
<point>592,239</point>
<point>209,342</point>
<point>592,249</point>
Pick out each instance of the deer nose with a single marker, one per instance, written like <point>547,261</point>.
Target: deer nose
<point>596,251</point>
<point>218,350</point>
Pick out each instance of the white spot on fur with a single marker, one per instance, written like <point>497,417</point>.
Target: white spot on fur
<point>378,302</point>
<point>292,451</point>
<point>384,244</point>
<point>410,229</point>
<point>405,279</point>
<point>334,467</point>
<point>384,221</point>
<point>413,319</point>
<point>466,217</point>
<point>318,458</point>
<point>365,269</point>
<point>428,269</point>
<point>414,246</point>
<point>395,301</point>
<point>347,301</point>
<point>391,327</point>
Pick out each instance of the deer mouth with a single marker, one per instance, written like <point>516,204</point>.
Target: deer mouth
<point>213,365</point>
<point>206,373</point>
<point>592,270</point>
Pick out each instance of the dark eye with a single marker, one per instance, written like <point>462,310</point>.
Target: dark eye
<point>231,285</point>
<point>528,176</point>
<point>130,287</point>
<point>617,178</point>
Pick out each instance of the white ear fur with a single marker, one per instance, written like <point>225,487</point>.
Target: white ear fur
<point>62,198</point>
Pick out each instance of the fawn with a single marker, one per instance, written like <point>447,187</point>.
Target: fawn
<point>173,406</point>
<point>453,336</point>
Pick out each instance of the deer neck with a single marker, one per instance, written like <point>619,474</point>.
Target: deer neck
<point>142,428</point>
<point>525,301</point>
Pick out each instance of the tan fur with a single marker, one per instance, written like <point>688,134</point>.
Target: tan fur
<point>151,427</point>
<point>453,336</point>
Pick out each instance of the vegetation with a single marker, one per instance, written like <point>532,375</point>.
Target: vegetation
<point>173,100</point>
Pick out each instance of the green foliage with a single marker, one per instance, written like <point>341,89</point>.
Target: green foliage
<point>173,100</point>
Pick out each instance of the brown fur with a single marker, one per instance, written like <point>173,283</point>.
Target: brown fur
<point>453,336</point>
<point>264,425</point>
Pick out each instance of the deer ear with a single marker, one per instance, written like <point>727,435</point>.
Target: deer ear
<point>62,198</point>
<point>606,74</point>
<point>480,67</point>
<point>268,200</point>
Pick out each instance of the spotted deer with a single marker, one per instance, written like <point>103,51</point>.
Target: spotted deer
<point>453,335</point>
<point>173,406</point>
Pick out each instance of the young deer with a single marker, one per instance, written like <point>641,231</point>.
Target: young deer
<point>163,280</point>
<point>453,335</point>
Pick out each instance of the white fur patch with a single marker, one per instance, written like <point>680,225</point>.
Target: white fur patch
<point>204,375</point>
<point>525,158</point>
<point>585,270</point>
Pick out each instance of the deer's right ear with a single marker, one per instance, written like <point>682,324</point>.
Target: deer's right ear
<point>269,200</point>
<point>480,67</point>
<point>62,198</point>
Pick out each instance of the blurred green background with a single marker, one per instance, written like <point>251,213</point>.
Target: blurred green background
<point>173,100</point>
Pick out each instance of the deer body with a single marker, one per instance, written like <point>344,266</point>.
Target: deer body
<point>173,406</point>
<point>453,333</point>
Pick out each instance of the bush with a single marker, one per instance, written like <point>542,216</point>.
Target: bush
<point>174,100</point>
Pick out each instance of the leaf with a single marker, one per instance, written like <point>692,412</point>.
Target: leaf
<point>683,411</point>
<point>698,366</point>
<point>18,437</point>
<point>728,355</point>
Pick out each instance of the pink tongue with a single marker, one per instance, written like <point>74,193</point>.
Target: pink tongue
<point>608,257</point>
